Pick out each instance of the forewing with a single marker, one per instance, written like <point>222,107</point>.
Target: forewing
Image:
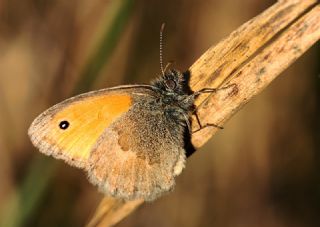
<point>88,116</point>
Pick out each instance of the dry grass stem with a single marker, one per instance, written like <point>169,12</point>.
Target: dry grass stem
<point>250,58</point>
<point>111,211</point>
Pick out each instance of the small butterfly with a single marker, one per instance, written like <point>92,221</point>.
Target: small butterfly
<point>128,138</point>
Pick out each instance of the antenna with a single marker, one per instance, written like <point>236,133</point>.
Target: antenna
<point>160,50</point>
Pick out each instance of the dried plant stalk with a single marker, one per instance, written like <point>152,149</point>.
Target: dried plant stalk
<point>250,58</point>
<point>264,65</point>
<point>111,211</point>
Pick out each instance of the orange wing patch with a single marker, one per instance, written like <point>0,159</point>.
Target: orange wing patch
<point>87,116</point>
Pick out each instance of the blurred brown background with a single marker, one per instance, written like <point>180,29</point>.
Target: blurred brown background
<point>261,170</point>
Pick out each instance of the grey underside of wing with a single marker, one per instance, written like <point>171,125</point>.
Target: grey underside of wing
<point>138,156</point>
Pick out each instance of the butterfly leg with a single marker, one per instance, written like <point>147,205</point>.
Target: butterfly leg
<point>214,90</point>
<point>204,126</point>
<point>211,91</point>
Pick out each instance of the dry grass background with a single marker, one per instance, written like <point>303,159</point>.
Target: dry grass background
<point>262,169</point>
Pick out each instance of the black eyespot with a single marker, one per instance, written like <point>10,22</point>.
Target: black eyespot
<point>64,125</point>
<point>171,84</point>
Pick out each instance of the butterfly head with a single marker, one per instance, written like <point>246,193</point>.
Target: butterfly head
<point>172,82</point>
<point>174,97</point>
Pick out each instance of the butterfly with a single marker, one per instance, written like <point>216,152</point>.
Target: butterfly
<point>129,138</point>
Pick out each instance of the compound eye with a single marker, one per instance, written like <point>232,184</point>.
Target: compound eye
<point>171,84</point>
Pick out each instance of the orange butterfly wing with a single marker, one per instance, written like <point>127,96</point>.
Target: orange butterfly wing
<point>88,116</point>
